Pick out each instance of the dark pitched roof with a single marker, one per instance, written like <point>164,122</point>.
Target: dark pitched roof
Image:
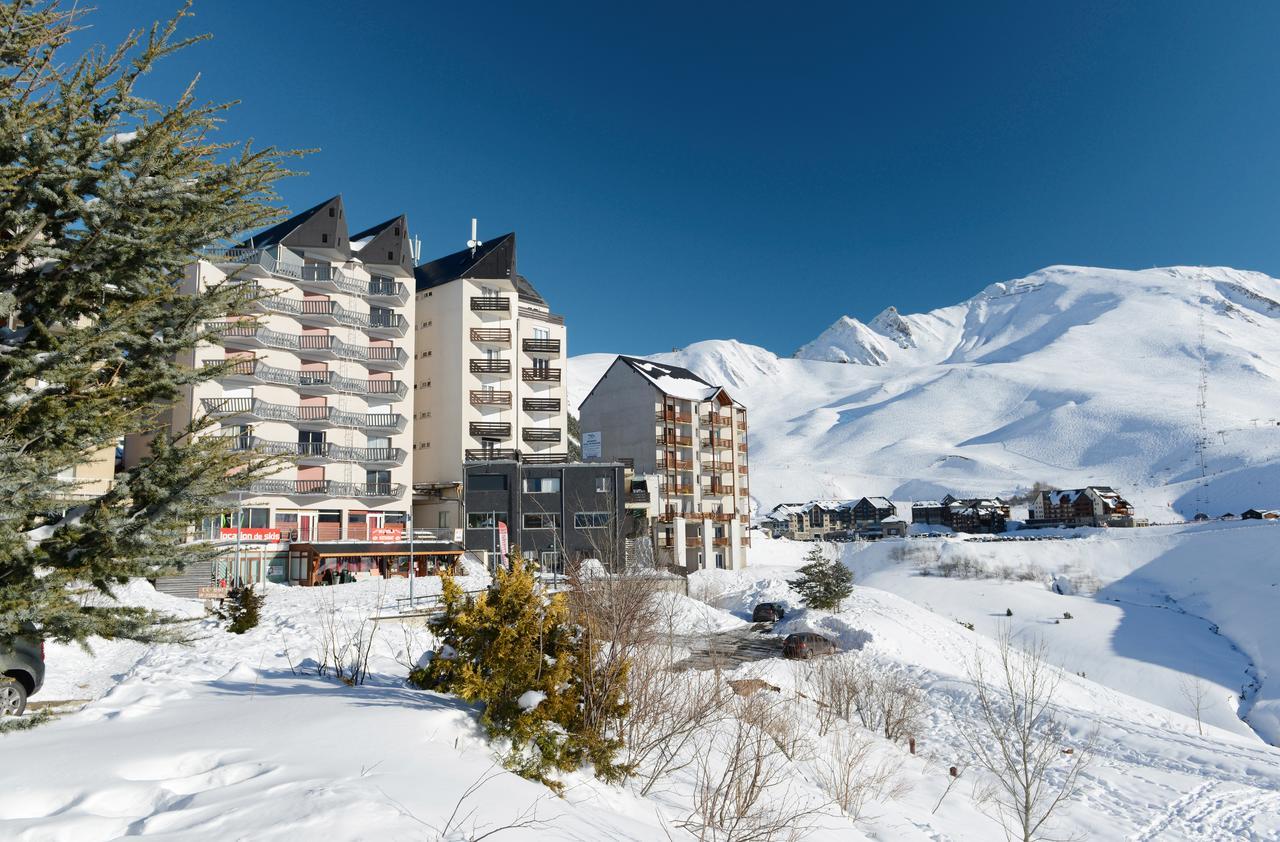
<point>494,258</point>
<point>388,244</point>
<point>672,379</point>
<point>296,231</point>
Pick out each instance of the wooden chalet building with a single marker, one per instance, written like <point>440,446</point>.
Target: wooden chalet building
<point>1095,505</point>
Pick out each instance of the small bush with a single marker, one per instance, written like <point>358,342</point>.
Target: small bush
<point>1008,612</point>
<point>1066,615</point>
<point>241,609</point>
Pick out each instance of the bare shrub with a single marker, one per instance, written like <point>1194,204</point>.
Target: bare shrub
<point>343,644</point>
<point>750,796</point>
<point>848,688</point>
<point>667,711</point>
<point>848,771</point>
<point>1021,737</point>
<point>778,717</point>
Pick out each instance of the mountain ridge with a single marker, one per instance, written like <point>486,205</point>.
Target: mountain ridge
<point>1072,375</point>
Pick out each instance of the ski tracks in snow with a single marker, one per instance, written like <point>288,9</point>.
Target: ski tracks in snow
<point>1214,811</point>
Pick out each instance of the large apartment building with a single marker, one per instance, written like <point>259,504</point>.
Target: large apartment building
<point>693,436</point>
<point>319,374</point>
<point>488,374</point>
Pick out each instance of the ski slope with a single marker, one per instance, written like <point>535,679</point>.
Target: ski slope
<point>1070,376</point>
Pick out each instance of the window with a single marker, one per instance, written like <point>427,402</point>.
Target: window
<point>542,485</point>
<point>442,520</point>
<point>603,485</point>
<point>249,519</point>
<point>541,363</point>
<point>590,520</point>
<point>324,238</point>
<point>541,333</point>
<point>542,521</point>
<point>485,520</point>
<point>487,482</point>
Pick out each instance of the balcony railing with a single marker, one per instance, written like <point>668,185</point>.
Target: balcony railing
<point>550,318</point>
<point>638,497</point>
<point>541,434</point>
<point>490,366</point>
<point>255,336</point>
<point>312,416</point>
<point>540,374</point>
<point>673,417</point>
<point>540,404</point>
<point>384,322</point>
<point>319,451</point>
<point>541,346</point>
<point>487,397</point>
<point>491,302</point>
<point>677,465</point>
<point>717,467</point>
<point>714,420</point>
<point>493,335</point>
<point>307,274</point>
<point>496,454</point>
<point>677,441</point>
<point>495,430</point>
<point>387,289</point>
<point>326,488</point>
<point>313,381</point>
<point>544,458</point>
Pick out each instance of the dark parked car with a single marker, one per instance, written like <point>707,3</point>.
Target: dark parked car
<point>805,645</point>
<point>21,673</point>
<point>768,612</point>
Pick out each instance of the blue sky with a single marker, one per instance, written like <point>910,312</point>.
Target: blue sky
<point>778,165</point>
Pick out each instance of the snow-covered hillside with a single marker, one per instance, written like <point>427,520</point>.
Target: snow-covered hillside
<point>1069,376</point>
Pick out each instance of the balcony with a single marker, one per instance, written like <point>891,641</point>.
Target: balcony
<point>714,420</point>
<point>386,323</point>
<point>542,315</point>
<point>681,489</point>
<point>494,430</point>
<point>326,488</point>
<point>536,374</point>
<point>541,346</point>
<point>279,262</point>
<point>544,458</point>
<point>717,467</point>
<point>386,291</point>
<point>491,454</point>
<point>489,397</point>
<point>308,417</point>
<point>491,303</point>
<point>677,441</point>
<point>311,382</point>
<point>673,417</point>
<point>540,404</point>
<point>533,434</point>
<point>319,453</point>
<point>677,465</point>
<point>719,542</point>
<point>385,357</point>
<point>488,366</point>
<point>491,335</point>
<point>638,497</point>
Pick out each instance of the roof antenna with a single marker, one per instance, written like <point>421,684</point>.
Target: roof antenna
<point>473,243</point>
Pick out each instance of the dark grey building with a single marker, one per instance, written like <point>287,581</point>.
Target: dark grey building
<point>553,513</point>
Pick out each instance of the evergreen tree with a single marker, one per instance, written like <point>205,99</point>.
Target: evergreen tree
<point>105,196</point>
<point>513,652</point>
<point>823,582</point>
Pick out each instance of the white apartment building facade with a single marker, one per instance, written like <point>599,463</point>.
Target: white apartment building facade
<point>319,373</point>
<point>692,436</point>
<point>488,375</point>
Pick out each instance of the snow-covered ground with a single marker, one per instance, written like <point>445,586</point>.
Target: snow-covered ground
<point>1071,376</point>
<point>237,737</point>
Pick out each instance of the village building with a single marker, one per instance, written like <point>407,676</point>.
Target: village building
<point>1095,505</point>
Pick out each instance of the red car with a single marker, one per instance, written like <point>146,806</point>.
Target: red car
<point>806,645</point>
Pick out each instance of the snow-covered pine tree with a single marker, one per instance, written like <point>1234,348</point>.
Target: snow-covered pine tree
<point>104,197</point>
<point>823,582</point>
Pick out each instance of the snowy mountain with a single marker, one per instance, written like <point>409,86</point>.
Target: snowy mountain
<point>1071,376</point>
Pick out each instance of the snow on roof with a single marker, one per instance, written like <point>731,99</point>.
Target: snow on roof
<point>673,380</point>
<point>880,502</point>
<point>893,519</point>
<point>926,504</point>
